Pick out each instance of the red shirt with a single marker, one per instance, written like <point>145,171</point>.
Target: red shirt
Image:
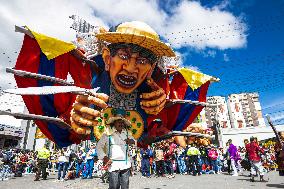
<point>253,151</point>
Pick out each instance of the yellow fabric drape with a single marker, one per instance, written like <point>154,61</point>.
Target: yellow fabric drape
<point>193,78</point>
<point>50,46</point>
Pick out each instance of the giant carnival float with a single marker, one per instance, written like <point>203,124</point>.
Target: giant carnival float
<point>125,68</point>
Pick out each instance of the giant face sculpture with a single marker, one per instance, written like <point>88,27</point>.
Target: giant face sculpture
<point>128,65</point>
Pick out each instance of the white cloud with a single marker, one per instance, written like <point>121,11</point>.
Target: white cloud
<point>203,27</point>
<point>114,12</point>
<point>51,17</point>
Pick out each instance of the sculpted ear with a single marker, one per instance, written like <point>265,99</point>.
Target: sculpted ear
<point>106,58</point>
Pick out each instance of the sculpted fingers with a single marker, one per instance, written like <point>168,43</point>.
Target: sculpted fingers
<point>155,110</point>
<point>154,94</point>
<point>81,120</point>
<point>80,130</point>
<point>86,110</point>
<point>102,96</point>
<point>159,106</point>
<point>82,116</point>
<point>152,103</point>
<point>87,116</point>
<point>98,101</point>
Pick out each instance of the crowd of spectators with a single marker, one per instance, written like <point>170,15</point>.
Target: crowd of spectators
<point>162,159</point>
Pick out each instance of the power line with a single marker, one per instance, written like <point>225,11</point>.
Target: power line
<point>247,90</point>
<point>237,26</point>
<point>252,79</point>
<point>276,105</point>
<point>240,63</point>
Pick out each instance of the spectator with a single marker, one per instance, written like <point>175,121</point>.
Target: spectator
<point>253,150</point>
<point>235,158</point>
<point>159,160</point>
<point>80,162</point>
<point>92,153</point>
<point>63,162</point>
<point>180,160</point>
<point>213,155</point>
<point>145,166</point>
<point>42,163</point>
<point>193,154</point>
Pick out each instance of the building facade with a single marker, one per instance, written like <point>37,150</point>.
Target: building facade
<point>12,130</point>
<point>245,110</point>
<point>218,113</point>
<point>237,118</point>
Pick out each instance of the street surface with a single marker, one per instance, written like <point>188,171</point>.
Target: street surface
<point>222,181</point>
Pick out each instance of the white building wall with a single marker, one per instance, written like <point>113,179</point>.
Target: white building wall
<point>236,111</point>
<point>238,135</point>
<point>218,112</point>
<point>222,113</point>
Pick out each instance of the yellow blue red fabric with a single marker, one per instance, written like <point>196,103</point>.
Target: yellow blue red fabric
<point>32,59</point>
<point>182,115</point>
<point>186,84</point>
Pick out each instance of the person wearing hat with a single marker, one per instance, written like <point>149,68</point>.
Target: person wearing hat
<point>132,53</point>
<point>116,142</point>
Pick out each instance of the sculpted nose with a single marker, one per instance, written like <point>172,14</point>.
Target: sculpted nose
<point>131,66</point>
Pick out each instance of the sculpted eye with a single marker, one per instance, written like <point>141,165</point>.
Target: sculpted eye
<point>123,56</point>
<point>142,61</point>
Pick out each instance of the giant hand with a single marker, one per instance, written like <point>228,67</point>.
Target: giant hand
<point>153,102</point>
<point>82,117</point>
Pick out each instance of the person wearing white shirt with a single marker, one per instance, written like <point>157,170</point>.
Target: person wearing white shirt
<point>117,155</point>
<point>63,162</point>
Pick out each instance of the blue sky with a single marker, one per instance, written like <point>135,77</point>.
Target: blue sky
<point>239,41</point>
<point>256,67</point>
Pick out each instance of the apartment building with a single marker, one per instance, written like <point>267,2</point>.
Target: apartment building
<point>245,110</point>
<point>217,113</point>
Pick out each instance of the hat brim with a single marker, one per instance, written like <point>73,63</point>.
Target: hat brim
<point>157,47</point>
<point>113,119</point>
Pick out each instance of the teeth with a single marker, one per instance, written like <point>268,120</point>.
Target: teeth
<point>126,82</point>
<point>127,77</point>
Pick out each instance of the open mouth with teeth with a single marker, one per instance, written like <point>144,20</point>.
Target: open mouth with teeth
<point>126,80</point>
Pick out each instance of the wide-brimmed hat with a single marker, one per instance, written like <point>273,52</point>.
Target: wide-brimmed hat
<point>118,117</point>
<point>138,33</point>
<point>119,114</point>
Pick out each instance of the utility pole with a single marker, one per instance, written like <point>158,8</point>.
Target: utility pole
<point>27,134</point>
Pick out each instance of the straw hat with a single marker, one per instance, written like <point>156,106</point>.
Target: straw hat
<point>118,117</point>
<point>138,33</point>
<point>119,114</point>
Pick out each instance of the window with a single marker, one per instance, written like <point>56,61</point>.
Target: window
<point>237,107</point>
<point>240,124</point>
